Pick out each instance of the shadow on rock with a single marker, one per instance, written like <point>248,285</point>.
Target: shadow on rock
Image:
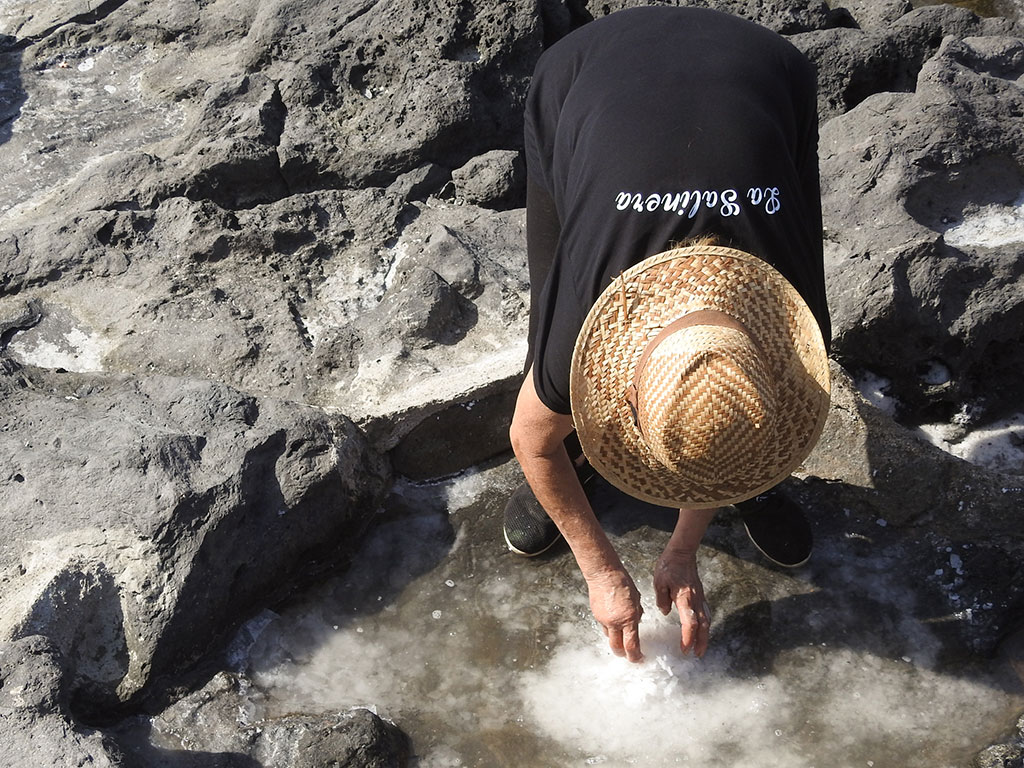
<point>12,95</point>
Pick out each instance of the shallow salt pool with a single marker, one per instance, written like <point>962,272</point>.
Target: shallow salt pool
<point>486,659</point>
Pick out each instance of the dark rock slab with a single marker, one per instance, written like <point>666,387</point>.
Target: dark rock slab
<point>219,725</point>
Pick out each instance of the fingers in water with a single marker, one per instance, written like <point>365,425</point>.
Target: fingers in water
<point>615,641</point>
<point>631,643</point>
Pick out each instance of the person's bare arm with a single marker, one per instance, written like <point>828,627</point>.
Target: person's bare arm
<point>537,433</point>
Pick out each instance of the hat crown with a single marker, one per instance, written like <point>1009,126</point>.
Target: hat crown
<point>782,380</point>
<point>704,393</point>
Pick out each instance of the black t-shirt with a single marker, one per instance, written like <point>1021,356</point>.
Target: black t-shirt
<point>656,124</point>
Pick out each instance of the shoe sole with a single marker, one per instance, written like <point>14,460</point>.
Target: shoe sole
<point>519,552</point>
<point>772,559</point>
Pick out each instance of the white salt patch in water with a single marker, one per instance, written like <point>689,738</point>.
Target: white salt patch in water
<point>673,710</point>
<point>77,351</point>
<point>465,489</point>
<point>666,710</point>
<point>992,226</point>
<point>998,446</point>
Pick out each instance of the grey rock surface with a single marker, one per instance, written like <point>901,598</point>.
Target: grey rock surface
<point>146,517</point>
<point>935,504</point>
<point>915,288</point>
<point>38,728</point>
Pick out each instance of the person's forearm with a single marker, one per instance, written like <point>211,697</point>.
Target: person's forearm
<point>554,483</point>
<point>689,530</point>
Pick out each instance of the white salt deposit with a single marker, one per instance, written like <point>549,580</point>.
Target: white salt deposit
<point>875,389</point>
<point>831,707</point>
<point>76,351</point>
<point>998,446</point>
<point>669,710</point>
<point>992,226</point>
<point>464,489</point>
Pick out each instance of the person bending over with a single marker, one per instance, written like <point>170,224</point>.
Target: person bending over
<point>678,322</point>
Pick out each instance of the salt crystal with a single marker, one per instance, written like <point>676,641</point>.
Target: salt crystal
<point>436,614</point>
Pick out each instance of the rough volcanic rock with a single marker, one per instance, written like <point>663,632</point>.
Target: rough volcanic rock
<point>887,53</point>
<point>37,727</point>
<point>787,17</point>
<point>495,179</point>
<point>959,523</point>
<point>916,289</point>
<point>146,517</point>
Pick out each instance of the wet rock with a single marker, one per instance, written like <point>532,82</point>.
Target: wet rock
<point>221,724</point>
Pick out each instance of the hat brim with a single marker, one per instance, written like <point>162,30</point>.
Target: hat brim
<point>633,309</point>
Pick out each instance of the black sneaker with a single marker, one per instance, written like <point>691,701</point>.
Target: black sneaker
<point>528,529</point>
<point>778,528</point>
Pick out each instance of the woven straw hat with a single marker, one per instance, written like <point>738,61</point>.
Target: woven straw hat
<point>699,378</point>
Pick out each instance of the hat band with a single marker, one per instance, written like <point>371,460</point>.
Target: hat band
<point>700,317</point>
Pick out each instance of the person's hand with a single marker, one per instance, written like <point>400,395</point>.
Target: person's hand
<point>615,603</point>
<point>676,582</point>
